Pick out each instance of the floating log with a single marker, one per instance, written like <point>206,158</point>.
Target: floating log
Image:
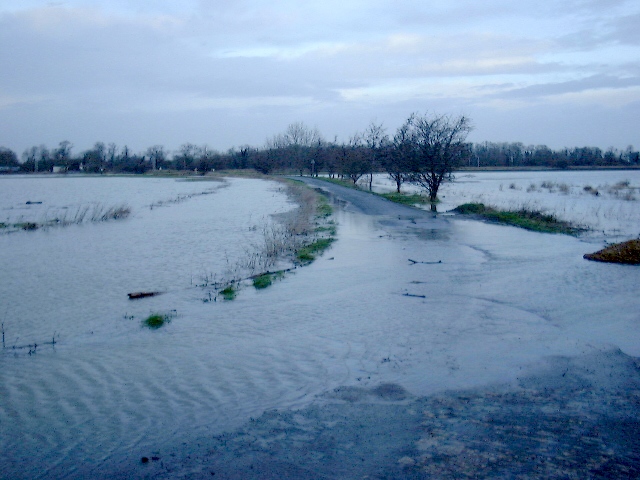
<point>412,295</point>
<point>135,295</point>
<point>413,262</point>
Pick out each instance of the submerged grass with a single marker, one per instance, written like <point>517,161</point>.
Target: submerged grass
<point>84,214</point>
<point>266,279</point>
<point>523,218</point>
<point>262,281</point>
<point>309,252</point>
<point>229,292</point>
<point>157,320</point>
<point>323,209</point>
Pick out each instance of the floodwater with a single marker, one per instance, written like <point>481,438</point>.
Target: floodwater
<point>488,305</point>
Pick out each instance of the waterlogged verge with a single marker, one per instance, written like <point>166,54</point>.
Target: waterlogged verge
<point>297,239</point>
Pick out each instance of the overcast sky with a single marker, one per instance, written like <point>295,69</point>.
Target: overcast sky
<point>231,72</point>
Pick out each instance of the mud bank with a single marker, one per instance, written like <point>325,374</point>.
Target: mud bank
<point>575,418</point>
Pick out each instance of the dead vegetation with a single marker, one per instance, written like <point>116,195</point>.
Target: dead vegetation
<point>625,252</point>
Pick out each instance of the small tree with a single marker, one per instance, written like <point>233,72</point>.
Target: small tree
<point>376,141</point>
<point>8,157</point>
<point>353,162</point>
<point>439,148</point>
<point>399,158</point>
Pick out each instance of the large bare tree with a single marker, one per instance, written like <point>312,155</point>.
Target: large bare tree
<point>439,147</point>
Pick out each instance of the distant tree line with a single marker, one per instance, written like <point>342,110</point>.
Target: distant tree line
<point>491,154</point>
<point>423,150</point>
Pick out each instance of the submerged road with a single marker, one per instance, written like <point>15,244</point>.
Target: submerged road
<point>393,214</point>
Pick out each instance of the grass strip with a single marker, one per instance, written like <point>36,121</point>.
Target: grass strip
<point>523,218</point>
<point>410,199</point>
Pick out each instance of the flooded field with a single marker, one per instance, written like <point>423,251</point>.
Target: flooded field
<point>480,305</point>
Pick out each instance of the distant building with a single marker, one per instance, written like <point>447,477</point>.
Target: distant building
<point>59,169</point>
<point>5,169</point>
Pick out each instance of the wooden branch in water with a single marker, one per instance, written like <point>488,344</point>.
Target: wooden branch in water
<point>413,262</point>
<point>412,295</point>
<point>136,295</point>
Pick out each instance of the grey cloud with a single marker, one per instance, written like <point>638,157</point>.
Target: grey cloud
<point>237,71</point>
<point>573,86</point>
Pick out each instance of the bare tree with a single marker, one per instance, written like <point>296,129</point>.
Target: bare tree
<point>397,162</point>
<point>300,140</point>
<point>376,140</point>
<point>353,163</point>
<point>156,155</point>
<point>440,147</point>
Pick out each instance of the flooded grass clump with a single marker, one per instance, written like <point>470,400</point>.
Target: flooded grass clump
<point>308,253</point>
<point>156,320</point>
<point>523,218</point>
<point>625,252</point>
<point>262,281</point>
<point>266,279</point>
<point>330,229</point>
<point>323,209</point>
<point>229,292</point>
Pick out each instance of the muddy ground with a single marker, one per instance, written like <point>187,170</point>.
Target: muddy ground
<point>577,418</point>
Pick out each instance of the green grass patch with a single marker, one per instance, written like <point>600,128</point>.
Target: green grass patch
<point>262,281</point>
<point>330,229</point>
<point>339,181</point>
<point>156,320</point>
<point>470,209</point>
<point>266,279</point>
<point>523,218</point>
<point>308,253</point>
<point>229,292</point>
<point>323,209</point>
<point>410,199</point>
